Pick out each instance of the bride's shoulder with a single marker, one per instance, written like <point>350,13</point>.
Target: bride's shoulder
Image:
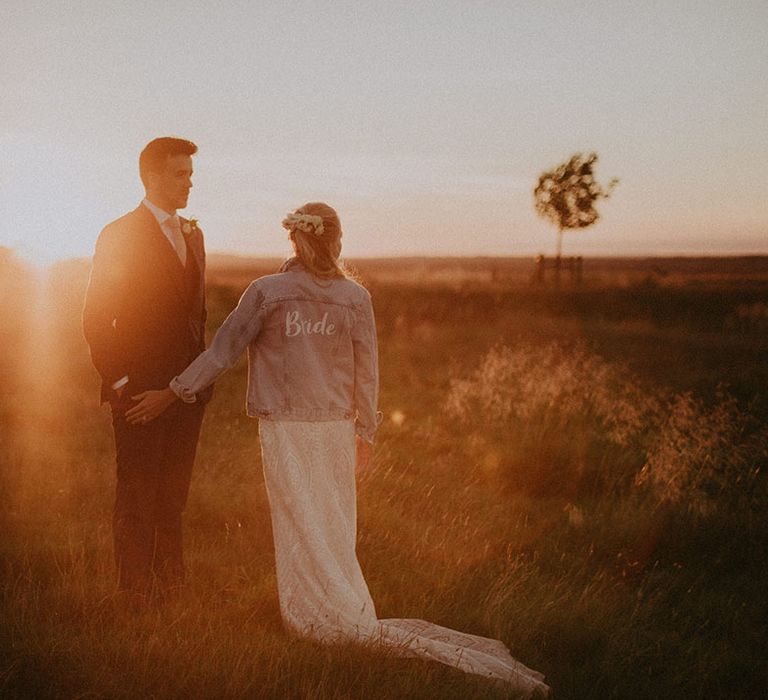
<point>355,292</point>
<point>359,288</point>
<point>277,283</point>
<point>267,283</point>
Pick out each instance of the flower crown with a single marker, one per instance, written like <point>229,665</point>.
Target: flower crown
<point>304,222</point>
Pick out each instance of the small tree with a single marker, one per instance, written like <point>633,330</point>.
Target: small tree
<point>566,195</point>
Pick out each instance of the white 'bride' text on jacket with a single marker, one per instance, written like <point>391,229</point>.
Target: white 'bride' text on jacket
<point>295,325</point>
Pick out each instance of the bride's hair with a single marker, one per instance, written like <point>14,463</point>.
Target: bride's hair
<point>317,247</point>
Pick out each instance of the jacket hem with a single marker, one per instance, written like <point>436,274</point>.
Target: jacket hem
<point>303,414</point>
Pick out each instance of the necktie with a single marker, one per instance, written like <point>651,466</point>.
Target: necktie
<point>174,225</point>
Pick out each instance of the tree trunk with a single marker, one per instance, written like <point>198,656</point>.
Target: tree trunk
<point>558,259</point>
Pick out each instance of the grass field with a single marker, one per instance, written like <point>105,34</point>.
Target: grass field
<point>579,471</point>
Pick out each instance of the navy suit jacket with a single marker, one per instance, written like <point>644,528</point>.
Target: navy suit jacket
<point>144,313</point>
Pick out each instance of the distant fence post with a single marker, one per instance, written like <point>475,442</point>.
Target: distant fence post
<point>573,265</point>
<point>576,269</point>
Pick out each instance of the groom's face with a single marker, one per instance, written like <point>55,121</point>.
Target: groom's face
<point>171,185</point>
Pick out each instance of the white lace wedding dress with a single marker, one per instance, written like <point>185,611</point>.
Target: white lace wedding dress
<point>309,471</point>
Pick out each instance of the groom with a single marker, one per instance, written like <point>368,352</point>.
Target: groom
<point>144,320</point>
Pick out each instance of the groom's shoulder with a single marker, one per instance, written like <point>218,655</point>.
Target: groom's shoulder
<point>123,226</point>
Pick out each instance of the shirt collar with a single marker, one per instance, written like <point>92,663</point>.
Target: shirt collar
<point>161,215</point>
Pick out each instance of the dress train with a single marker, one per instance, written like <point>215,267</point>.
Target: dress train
<point>309,470</point>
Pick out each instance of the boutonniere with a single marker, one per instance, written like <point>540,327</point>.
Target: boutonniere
<point>188,226</point>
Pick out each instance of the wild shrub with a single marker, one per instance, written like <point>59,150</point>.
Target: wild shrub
<point>562,421</point>
<point>708,458</point>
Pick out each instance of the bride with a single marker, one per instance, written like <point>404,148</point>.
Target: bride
<point>313,383</point>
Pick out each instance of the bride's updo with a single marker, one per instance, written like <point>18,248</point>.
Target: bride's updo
<point>315,232</point>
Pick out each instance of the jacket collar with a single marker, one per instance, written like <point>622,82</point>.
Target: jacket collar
<point>292,263</point>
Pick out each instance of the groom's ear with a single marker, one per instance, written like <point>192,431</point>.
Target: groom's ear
<point>152,182</point>
<point>153,173</point>
<point>150,179</point>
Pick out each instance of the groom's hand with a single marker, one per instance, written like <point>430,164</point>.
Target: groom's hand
<point>151,405</point>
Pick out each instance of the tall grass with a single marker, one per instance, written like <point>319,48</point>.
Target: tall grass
<point>528,486</point>
<point>662,493</point>
<point>560,420</point>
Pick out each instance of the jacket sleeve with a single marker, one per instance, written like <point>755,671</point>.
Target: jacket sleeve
<point>108,284</point>
<point>239,328</point>
<point>366,358</point>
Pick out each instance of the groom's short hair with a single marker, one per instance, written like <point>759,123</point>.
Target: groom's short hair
<point>155,153</point>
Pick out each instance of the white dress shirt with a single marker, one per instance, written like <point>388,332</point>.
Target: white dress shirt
<point>171,228</point>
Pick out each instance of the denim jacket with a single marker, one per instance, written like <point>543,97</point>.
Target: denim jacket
<point>312,350</point>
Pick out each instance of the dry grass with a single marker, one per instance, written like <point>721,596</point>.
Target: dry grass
<point>557,468</point>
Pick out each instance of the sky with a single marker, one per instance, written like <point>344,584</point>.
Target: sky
<point>425,124</point>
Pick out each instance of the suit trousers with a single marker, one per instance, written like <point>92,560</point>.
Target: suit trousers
<point>154,469</point>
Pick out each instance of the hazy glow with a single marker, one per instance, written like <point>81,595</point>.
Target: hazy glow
<point>425,124</point>
<point>40,374</point>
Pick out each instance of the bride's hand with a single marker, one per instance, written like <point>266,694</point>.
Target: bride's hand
<point>364,451</point>
<point>151,405</point>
